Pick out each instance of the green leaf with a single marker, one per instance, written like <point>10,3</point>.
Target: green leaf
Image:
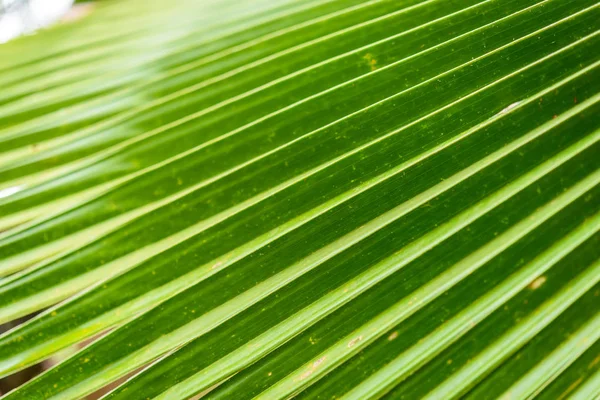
<point>322,199</point>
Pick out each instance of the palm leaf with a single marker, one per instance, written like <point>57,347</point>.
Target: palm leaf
<point>319,199</point>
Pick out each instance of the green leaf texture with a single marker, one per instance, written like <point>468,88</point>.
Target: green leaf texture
<point>305,198</point>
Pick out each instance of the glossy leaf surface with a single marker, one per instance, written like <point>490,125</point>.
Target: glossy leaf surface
<point>321,199</point>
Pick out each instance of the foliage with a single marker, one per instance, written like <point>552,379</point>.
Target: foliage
<point>312,198</point>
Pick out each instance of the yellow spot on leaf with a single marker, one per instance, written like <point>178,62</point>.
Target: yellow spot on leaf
<point>371,61</point>
<point>537,283</point>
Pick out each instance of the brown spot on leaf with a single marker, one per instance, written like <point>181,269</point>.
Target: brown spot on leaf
<point>354,341</point>
<point>312,368</point>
